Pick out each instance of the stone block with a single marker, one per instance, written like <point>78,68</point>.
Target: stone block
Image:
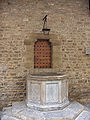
<point>85,115</point>
<point>88,51</point>
<point>35,92</point>
<point>52,91</point>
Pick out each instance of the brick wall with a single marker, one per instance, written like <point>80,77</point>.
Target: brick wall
<point>67,18</point>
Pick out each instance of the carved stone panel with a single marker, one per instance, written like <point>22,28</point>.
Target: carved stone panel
<point>35,90</point>
<point>52,92</point>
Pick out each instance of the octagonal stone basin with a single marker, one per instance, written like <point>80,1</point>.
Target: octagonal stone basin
<point>47,91</point>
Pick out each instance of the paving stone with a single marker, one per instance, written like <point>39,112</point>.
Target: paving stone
<point>13,118</point>
<point>18,106</point>
<point>88,106</point>
<point>85,115</point>
<point>69,112</point>
<point>7,111</point>
<point>19,111</point>
<point>5,117</point>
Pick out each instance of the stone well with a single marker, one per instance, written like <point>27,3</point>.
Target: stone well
<point>47,91</point>
<point>47,99</point>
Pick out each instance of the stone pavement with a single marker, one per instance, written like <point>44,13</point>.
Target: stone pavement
<point>88,106</point>
<point>19,111</point>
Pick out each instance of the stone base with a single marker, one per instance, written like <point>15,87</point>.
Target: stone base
<point>19,111</point>
<point>48,107</point>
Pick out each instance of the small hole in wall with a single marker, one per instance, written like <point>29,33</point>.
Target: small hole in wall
<point>9,3</point>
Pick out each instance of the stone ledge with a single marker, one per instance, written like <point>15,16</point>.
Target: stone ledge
<point>49,107</point>
<point>49,76</point>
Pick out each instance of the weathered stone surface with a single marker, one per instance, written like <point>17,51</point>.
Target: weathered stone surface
<point>35,91</point>
<point>88,51</point>
<point>52,92</point>
<point>22,112</point>
<point>85,115</point>
<point>88,106</point>
<point>5,117</point>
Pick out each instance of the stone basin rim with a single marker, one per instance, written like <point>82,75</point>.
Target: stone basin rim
<point>47,75</point>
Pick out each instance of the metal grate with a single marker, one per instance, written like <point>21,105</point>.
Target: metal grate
<point>42,54</point>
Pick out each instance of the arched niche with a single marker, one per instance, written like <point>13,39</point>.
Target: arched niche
<point>55,55</point>
<point>42,54</point>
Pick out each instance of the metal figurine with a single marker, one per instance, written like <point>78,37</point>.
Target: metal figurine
<point>45,21</point>
<point>45,29</point>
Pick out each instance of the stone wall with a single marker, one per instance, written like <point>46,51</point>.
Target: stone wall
<point>56,63</point>
<point>67,18</point>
